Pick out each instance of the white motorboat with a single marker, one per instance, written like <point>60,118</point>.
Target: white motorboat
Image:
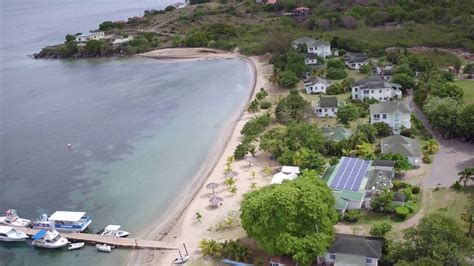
<point>49,239</point>
<point>113,230</point>
<point>74,246</point>
<point>181,259</point>
<point>11,218</point>
<point>11,234</point>
<point>64,221</point>
<point>103,248</point>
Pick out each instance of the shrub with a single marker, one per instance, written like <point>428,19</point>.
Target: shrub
<point>261,94</point>
<point>170,8</point>
<point>407,192</point>
<point>240,151</point>
<point>456,185</point>
<point>380,230</point>
<point>383,129</point>
<point>427,159</point>
<point>401,212</point>
<point>336,73</point>
<point>397,184</point>
<point>265,105</point>
<point>410,206</point>
<point>288,79</point>
<point>336,63</point>
<point>352,215</point>
<point>415,189</point>
<point>334,161</point>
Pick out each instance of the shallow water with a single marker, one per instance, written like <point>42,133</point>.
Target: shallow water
<point>139,128</point>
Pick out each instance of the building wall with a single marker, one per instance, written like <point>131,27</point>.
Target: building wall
<point>354,205</point>
<point>316,88</point>
<point>390,119</point>
<point>322,51</point>
<point>355,66</point>
<point>324,112</point>
<point>310,61</point>
<point>378,94</point>
<point>414,161</point>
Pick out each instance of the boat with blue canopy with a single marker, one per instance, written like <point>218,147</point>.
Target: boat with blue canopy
<point>49,239</point>
<point>64,221</point>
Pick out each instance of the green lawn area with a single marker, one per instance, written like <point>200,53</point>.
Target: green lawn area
<point>468,89</point>
<point>451,202</point>
<point>442,59</point>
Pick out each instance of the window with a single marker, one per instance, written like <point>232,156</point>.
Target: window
<point>353,65</point>
<point>318,110</point>
<point>380,91</point>
<point>274,263</point>
<point>372,91</point>
<point>332,256</point>
<point>380,98</point>
<point>355,89</point>
<point>376,116</point>
<point>384,116</point>
<point>332,109</point>
<point>366,91</point>
<point>368,260</point>
<point>325,110</point>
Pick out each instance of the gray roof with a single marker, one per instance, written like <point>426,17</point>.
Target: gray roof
<point>375,83</point>
<point>310,56</point>
<point>379,180</point>
<point>315,80</point>
<point>310,42</point>
<point>336,133</point>
<point>328,102</point>
<point>402,145</point>
<point>355,57</point>
<point>357,245</point>
<point>389,107</point>
<point>318,65</point>
<point>384,163</point>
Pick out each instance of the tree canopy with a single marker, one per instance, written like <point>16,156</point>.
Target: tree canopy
<point>291,108</point>
<point>401,162</point>
<point>442,114</point>
<point>346,114</point>
<point>295,218</point>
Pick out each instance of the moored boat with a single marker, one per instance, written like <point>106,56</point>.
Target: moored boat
<point>49,239</point>
<point>113,230</point>
<point>64,221</point>
<point>12,219</point>
<point>74,246</point>
<point>103,248</point>
<point>11,234</point>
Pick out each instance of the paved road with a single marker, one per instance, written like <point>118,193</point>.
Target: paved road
<point>453,156</point>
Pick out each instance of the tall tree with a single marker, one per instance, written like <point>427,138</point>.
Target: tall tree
<point>466,122</point>
<point>295,218</point>
<point>443,114</point>
<point>346,114</point>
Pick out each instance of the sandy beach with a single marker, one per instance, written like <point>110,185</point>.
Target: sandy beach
<point>181,225</point>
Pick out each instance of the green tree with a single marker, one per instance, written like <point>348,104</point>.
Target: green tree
<point>295,218</point>
<point>365,69</point>
<point>273,141</point>
<point>70,38</point>
<point>336,73</point>
<point>106,25</point>
<point>380,229</point>
<point>448,90</point>
<point>290,61</point>
<point>431,146</point>
<point>437,237</point>
<point>309,159</point>
<point>465,122</point>
<point>365,151</point>
<point>401,162</point>
<point>420,262</point>
<point>466,175</point>
<point>240,151</point>
<point>288,79</point>
<point>196,38</point>
<point>383,129</point>
<point>369,131</point>
<point>383,201</point>
<point>210,248</point>
<point>336,63</point>
<point>346,114</point>
<point>469,69</point>
<point>405,80</point>
<point>291,108</point>
<point>442,114</point>
<point>95,47</point>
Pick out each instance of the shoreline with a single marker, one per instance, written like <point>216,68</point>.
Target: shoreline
<point>172,217</point>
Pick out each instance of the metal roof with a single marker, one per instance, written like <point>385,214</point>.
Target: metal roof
<point>67,216</point>
<point>402,145</point>
<point>357,245</point>
<point>389,107</point>
<point>325,102</point>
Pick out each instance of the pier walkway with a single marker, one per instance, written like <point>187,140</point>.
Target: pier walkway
<point>110,240</point>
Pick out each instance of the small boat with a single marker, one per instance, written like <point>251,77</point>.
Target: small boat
<point>181,259</point>
<point>103,248</point>
<point>113,230</point>
<point>11,234</point>
<point>49,239</point>
<point>64,221</point>
<point>11,218</point>
<point>74,246</point>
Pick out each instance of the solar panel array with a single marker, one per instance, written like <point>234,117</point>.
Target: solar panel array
<point>350,174</point>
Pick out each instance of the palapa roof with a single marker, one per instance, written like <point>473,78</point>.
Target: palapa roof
<point>328,102</point>
<point>401,145</point>
<point>389,107</point>
<point>357,245</point>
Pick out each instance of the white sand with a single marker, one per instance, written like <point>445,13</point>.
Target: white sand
<point>181,225</point>
<point>189,54</point>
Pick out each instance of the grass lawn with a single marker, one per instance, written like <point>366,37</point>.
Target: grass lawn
<point>451,202</point>
<point>442,59</point>
<point>468,89</point>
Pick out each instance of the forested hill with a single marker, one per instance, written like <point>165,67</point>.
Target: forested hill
<point>257,28</point>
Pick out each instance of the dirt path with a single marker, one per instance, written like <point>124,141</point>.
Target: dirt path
<point>427,197</point>
<point>453,156</point>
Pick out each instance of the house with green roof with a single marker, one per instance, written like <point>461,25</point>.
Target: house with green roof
<point>408,147</point>
<point>336,133</point>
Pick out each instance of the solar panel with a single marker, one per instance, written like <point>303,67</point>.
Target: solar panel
<point>350,174</point>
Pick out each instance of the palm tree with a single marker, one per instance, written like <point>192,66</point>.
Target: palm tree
<point>432,146</point>
<point>466,175</point>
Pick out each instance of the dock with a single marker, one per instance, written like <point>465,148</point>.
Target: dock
<point>110,240</point>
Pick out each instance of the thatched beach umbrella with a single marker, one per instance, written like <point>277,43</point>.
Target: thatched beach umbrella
<point>212,186</point>
<point>215,201</point>
<point>251,160</point>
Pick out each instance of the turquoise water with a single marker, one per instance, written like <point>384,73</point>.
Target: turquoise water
<point>140,128</point>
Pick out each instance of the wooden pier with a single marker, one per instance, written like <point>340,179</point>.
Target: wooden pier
<point>110,240</point>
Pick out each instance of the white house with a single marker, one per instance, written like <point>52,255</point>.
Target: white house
<point>326,107</point>
<point>356,60</point>
<point>316,85</point>
<point>394,113</point>
<point>319,47</point>
<point>310,59</point>
<point>375,87</point>
<point>408,147</point>
<point>90,36</point>
<point>385,73</point>
<point>121,41</point>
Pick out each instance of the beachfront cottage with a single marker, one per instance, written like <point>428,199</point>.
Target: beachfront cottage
<point>394,113</point>
<point>327,106</point>
<point>316,85</point>
<point>319,47</point>
<point>121,41</point>
<point>375,87</point>
<point>356,60</point>
<point>354,250</point>
<point>408,147</point>
<point>355,181</point>
<point>90,36</point>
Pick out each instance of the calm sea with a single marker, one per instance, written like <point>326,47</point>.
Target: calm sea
<point>140,128</point>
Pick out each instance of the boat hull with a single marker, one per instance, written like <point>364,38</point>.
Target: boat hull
<point>9,239</point>
<point>62,228</point>
<point>17,222</point>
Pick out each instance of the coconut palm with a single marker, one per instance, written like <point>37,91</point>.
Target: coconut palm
<point>210,248</point>
<point>466,175</point>
<point>432,146</point>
